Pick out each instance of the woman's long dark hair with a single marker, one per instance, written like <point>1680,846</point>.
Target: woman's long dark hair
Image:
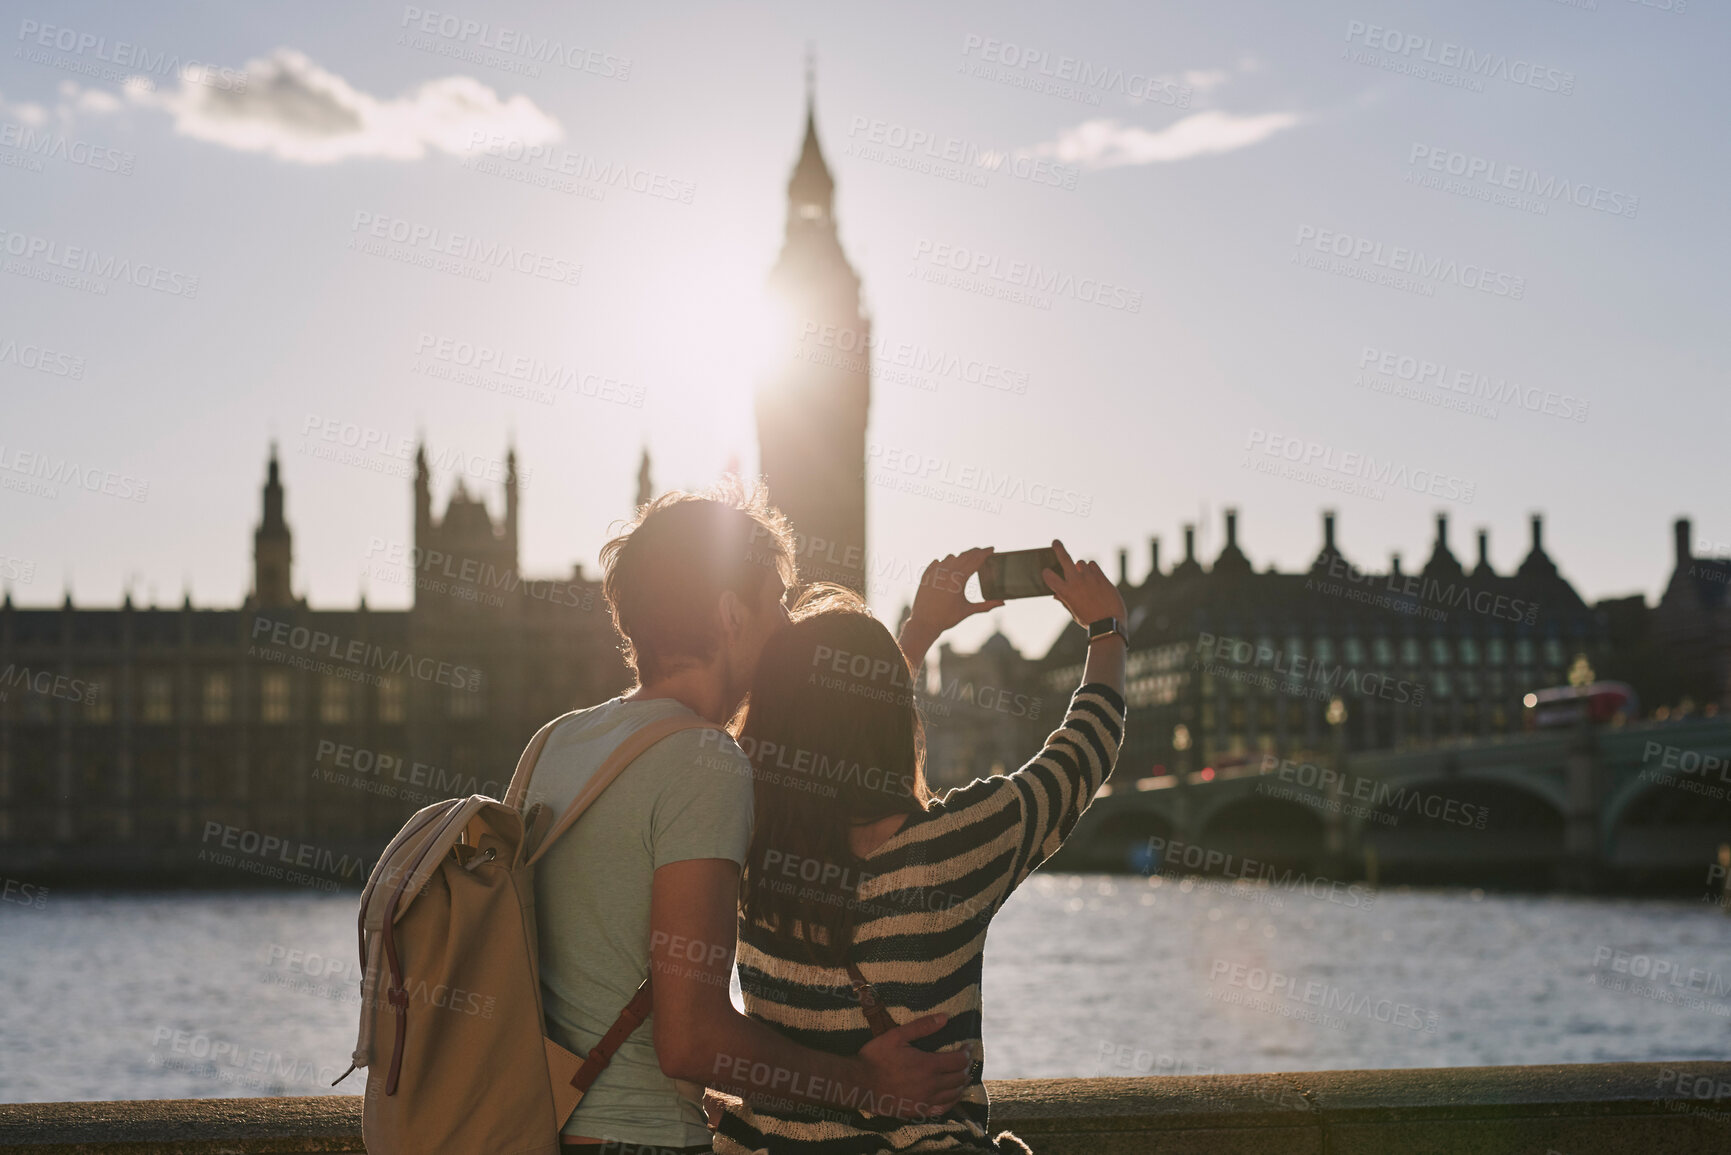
<point>833,733</point>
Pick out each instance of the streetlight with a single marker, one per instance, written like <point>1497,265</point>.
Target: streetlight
<point>1334,835</point>
<point>1181,743</point>
<point>1336,718</point>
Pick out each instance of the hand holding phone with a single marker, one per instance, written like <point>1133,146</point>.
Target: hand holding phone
<point>1018,574</point>
<point>942,599</point>
<point>942,602</point>
<point>1084,589</point>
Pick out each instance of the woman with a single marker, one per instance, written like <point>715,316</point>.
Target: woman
<point>865,899</point>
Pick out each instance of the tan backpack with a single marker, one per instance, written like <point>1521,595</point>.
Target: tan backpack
<point>451,979</point>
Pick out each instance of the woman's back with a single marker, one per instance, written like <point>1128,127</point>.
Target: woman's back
<point>923,900</point>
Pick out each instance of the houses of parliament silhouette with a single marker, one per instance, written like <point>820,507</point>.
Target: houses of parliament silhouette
<point>146,742</point>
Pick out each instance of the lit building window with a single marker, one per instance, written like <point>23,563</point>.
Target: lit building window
<point>333,700</point>
<point>1524,652</point>
<point>393,699</point>
<point>157,698</point>
<point>1409,651</point>
<point>1354,650</point>
<point>1496,653</point>
<point>1469,652</point>
<point>274,696</point>
<point>1553,652</point>
<point>1325,649</point>
<point>98,698</point>
<point>1439,682</point>
<point>468,701</point>
<point>1384,652</point>
<point>1439,651</point>
<point>216,698</point>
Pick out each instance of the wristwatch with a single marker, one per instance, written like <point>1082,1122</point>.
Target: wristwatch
<point>1106,627</point>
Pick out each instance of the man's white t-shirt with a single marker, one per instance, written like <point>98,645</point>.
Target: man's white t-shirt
<point>686,797</point>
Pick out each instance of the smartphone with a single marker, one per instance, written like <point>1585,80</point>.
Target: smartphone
<point>1017,574</point>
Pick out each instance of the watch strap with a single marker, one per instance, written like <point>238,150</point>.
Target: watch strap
<point>1106,627</point>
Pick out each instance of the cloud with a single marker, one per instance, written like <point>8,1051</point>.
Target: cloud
<point>289,107</point>
<point>27,113</point>
<point>73,100</point>
<point>1097,144</point>
<point>1204,79</point>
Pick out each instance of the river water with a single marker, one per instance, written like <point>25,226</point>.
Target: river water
<point>146,996</point>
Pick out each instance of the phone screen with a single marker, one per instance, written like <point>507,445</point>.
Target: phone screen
<point>1017,574</point>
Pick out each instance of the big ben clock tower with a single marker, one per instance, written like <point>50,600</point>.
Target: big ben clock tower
<point>812,405</point>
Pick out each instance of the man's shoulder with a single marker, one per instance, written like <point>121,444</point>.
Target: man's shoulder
<point>583,739</point>
<point>701,752</point>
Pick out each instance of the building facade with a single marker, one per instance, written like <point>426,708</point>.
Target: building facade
<point>132,738</point>
<point>1228,664</point>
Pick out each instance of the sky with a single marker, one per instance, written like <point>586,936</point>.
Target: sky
<point>1139,262</point>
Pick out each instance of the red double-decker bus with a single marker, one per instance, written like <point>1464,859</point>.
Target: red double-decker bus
<point>1595,704</point>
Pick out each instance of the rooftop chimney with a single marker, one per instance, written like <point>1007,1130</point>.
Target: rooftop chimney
<point>1154,557</point>
<point>1394,560</point>
<point>1123,567</point>
<point>1190,543</point>
<point>1442,531</point>
<point>1484,549</point>
<point>1681,529</point>
<point>1232,529</point>
<point>1328,531</point>
<point>1538,533</point>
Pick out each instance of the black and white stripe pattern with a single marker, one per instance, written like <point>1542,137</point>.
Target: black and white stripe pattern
<point>919,937</point>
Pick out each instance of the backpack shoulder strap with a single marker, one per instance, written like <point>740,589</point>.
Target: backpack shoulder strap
<point>622,756</point>
<point>632,1017</point>
<point>519,787</point>
<point>875,1012</point>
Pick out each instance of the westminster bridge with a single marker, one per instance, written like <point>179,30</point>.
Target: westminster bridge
<point>1634,807</point>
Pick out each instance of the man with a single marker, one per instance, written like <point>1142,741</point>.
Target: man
<point>647,881</point>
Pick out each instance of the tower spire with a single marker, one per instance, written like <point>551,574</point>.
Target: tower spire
<point>272,544</point>
<point>511,487</point>
<point>645,487</point>
<point>811,192</point>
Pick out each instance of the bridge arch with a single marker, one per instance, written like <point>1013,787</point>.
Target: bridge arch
<point>1128,839</point>
<point>1489,829</point>
<point>1666,832</point>
<point>1273,831</point>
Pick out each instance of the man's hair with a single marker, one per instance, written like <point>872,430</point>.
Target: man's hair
<point>664,574</point>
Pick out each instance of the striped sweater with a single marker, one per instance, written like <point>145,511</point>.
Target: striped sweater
<point>926,897</point>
